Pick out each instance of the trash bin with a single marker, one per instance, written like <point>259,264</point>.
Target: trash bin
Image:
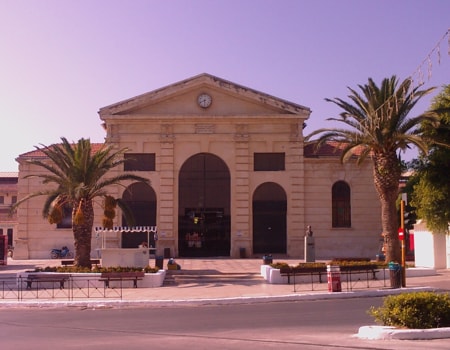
<point>334,278</point>
<point>159,262</point>
<point>267,259</point>
<point>395,274</point>
<point>242,253</point>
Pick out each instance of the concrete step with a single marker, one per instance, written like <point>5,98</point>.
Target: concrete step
<point>189,277</point>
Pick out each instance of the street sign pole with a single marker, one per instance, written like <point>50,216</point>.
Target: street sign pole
<point>402,241</point>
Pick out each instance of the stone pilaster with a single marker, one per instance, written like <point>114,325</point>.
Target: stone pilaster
<point>296,225</point>
<point>241,193</point>
<point>167,192</point>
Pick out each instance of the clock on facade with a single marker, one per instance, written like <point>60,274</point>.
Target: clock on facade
<point>204,100</point>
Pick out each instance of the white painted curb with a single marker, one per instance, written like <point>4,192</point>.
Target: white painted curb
<point>386,333</point>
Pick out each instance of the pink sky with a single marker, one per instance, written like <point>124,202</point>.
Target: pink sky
<point>62,60</point>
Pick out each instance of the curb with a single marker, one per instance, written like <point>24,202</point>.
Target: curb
<point>388,333</point>
<point>102,303</point>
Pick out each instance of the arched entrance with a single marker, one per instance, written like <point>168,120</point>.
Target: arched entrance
<point>141,199</point>
<point>204,207</point>
<point>269,219</point>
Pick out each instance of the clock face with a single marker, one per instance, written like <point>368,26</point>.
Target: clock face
<point>204,100</point>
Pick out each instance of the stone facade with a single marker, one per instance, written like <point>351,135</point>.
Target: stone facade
<point>8,197</point>
<point>234,174</point>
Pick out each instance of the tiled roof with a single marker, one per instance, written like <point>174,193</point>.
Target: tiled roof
<point>328,149</point>
<point>5,174</point>
<point>39,154</point>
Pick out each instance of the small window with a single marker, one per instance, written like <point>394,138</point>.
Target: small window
<point>9,232</point>
<point>66,221</point>
<point>2,199</point>
<point>341,210</point>
<point>268,161</point>
<point>139,162</point>
<point>14,199</point>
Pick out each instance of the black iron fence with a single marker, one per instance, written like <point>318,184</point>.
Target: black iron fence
<point>73,288</point>
<point>349,278</point>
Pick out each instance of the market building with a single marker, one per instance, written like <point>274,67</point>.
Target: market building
<point>229,175</point>
<point>8,219</point>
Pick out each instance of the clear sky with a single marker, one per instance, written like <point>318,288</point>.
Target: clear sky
<point>62,60</point>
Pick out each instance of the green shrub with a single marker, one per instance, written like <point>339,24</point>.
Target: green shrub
<point>280,265</point>
<point>149,269</point>
<point>419,310</point>
<point>311,265</point>
<point>357,263</point>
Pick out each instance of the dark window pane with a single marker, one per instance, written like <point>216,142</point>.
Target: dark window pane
<point>66,222</point>
<point>139,162</point>
<point>268,161</point>
<point>10,236</point>
<point>341,210</point>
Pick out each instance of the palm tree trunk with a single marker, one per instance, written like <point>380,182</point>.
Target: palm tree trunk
<point>386,176</point>
<point>82,233</point>
<point>389,223</point>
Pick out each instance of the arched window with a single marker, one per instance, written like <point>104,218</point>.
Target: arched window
<point>341,211</point>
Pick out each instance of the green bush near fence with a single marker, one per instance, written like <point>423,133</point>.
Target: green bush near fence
<point>419,310</point>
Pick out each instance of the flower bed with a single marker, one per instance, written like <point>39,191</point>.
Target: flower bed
<point>283,273</point>
<point>84,278</point>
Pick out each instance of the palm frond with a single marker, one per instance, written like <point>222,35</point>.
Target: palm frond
<point>377,119</point>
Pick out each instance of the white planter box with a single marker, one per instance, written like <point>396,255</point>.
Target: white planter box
<point>265,271</point>
<point>153,280</point>
<point>276,278</point>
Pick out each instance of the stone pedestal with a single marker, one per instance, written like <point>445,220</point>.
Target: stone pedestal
<point>310,249</point>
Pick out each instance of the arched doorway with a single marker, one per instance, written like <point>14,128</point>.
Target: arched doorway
<point>269,219</point>
<point>141,199</point>
<point>204,207</point>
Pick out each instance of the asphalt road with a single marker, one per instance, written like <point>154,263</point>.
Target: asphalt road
<point>327,324</point>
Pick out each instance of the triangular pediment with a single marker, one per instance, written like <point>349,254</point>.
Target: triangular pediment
<point>181,99</point>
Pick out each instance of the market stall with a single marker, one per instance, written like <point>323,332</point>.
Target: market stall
<point>137,256</point>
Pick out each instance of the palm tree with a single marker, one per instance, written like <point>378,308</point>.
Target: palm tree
<point>79,174</point>
<point>379,128</point>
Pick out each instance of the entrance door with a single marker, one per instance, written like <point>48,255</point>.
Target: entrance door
<point>204,207</point>
<point>269,219</point>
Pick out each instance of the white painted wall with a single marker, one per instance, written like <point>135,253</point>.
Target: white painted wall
<point>431,249</point>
